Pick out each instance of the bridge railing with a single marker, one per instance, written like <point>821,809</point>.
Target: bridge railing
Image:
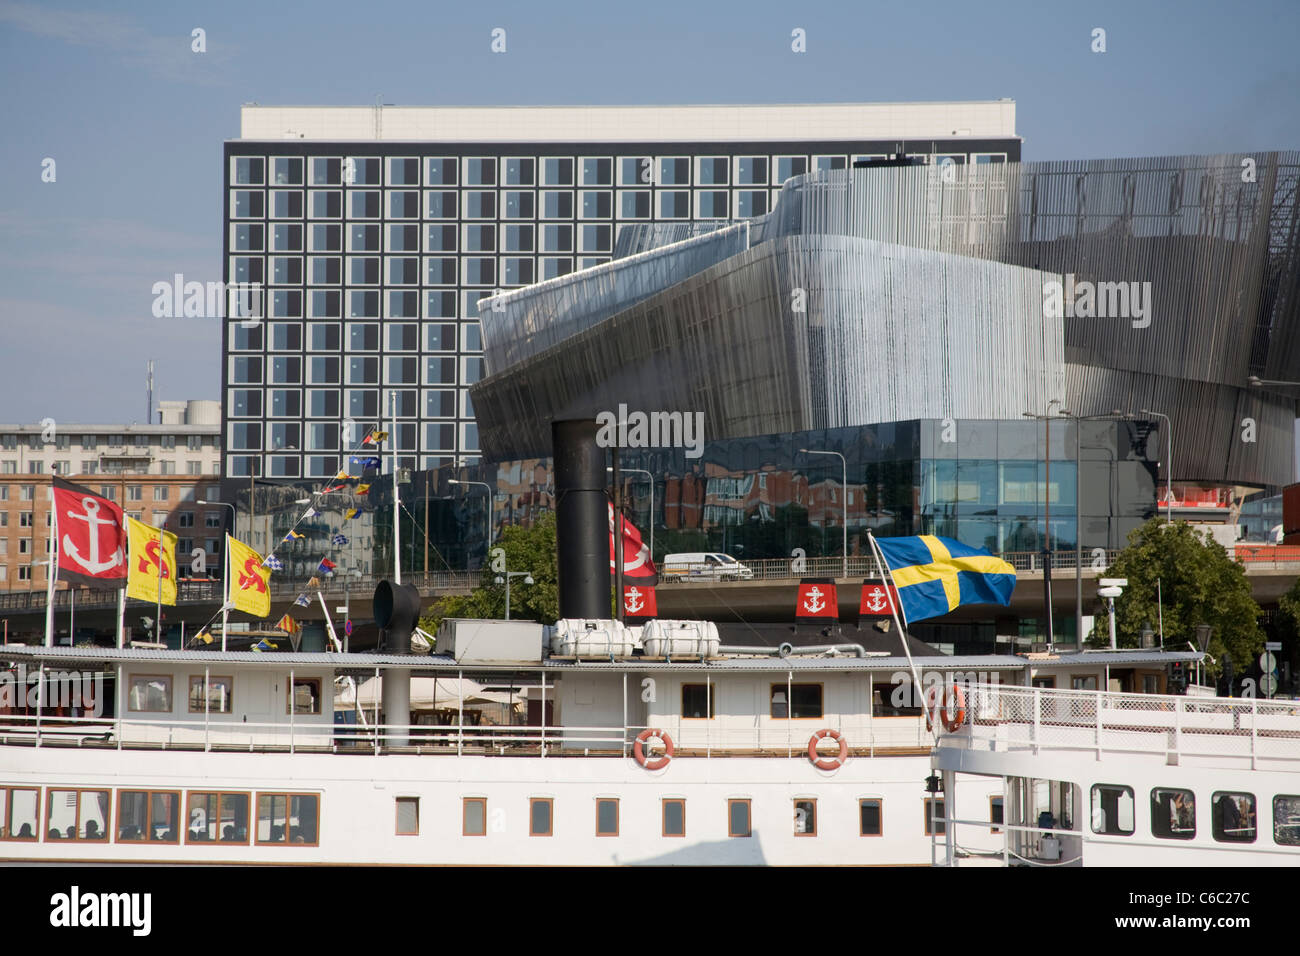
<point>780,569</point>
<point>210,592</point>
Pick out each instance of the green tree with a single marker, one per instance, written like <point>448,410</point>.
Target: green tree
<point>526,549</point>
<point>1200,583</point>
<point>1288,618</point>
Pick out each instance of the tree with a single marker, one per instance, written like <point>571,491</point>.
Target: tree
<point>1288,606</point>
<point>1200,583</point>
<point>524,549</point>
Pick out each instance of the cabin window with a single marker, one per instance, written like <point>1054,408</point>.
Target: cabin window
<point>870,817</point>
<point>738,818</point>
<point>1084,683</point>
<point>934,813</point>
<point>697,701</point>
<point>287,818</point>
<point>408,816</point>
<point>217,818</point>
<point>805,701</point>
<point>150,693</point>
<point>1150,683</point>
<point>805,818</point>
<point>1233,817</point>
<point>20,813</point>
<point>306,695</point>
<point>77,815</point>
<point>607,817</point>
<point>220,694</point>
<point>540,812</point>
<point>144,815</point>
<point>674,813</point>
<point>1173,814</point>
<point>474,816</point>
<point>995,813</point>
<point>1286,820</point>
<point>1112,809</point>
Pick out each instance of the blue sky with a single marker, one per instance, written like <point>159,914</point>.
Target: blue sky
<point>135,121</point>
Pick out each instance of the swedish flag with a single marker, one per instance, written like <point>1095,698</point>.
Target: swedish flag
<point>934,575</point>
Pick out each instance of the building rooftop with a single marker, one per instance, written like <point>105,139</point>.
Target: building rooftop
<point>579,124</point>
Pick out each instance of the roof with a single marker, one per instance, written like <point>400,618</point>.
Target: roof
<point>1101,658</point>
<point>439,662</point>
<point>704,123</point>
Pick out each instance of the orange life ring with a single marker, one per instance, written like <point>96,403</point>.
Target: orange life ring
<point>950,724</point>
<point>828,763</point>
<point>638,749</point>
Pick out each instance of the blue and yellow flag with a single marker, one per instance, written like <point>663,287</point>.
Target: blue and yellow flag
<point>934,575</point>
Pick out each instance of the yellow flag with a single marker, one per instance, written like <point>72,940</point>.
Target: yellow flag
<point>249,586</point>
<point>142,563</point>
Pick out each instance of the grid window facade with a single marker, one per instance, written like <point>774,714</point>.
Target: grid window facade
<point>375,255</point>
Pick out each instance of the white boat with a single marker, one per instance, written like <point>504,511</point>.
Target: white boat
<point>740,758</point>
<point>1111,779</point>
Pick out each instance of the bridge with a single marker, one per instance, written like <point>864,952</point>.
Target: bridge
<point>768,597</point>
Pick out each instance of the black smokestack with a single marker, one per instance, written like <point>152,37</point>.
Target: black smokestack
<point>397,611</point>
<point>582,520</point>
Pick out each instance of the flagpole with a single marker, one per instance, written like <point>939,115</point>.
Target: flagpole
<point>225,596</point>
<point>397,523</point>
<point>53,567</point>
<point>158,622</point>
<point>121,618</point>
<point>896,606</point>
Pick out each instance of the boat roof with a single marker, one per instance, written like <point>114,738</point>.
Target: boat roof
<point>1108,658</point>
<point>444,662</point>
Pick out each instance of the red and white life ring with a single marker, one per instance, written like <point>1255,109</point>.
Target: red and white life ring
<point>828,763</point>
<point>639,749</point>
<point>950,723</point>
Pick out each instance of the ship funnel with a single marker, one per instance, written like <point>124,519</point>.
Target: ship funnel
<point>582,520</point>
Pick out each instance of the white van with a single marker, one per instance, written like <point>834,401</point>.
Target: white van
<point>705,566</point>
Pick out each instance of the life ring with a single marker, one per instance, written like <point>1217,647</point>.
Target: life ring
<point>639,750</point>
<point>828,763</point>
<point>950,724</point>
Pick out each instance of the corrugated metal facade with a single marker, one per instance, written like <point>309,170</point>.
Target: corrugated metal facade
<point>923,293</point>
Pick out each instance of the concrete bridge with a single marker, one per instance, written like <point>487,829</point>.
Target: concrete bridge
<point>769,597</point>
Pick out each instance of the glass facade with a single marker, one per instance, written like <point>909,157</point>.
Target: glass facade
<point>979,481</point>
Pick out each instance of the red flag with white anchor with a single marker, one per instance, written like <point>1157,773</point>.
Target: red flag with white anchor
<point>878,600</point>
<point>639,603</point>
<point>638,568</point>
<point>817,599</point>
<point>92,537</point>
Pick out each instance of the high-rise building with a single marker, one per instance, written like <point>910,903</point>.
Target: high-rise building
<point>367,236</point>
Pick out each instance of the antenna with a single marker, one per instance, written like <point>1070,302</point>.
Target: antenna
<point>148,412</point>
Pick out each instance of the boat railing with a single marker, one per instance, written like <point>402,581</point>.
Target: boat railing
<point>862,735</point>
<point>1249,731</point>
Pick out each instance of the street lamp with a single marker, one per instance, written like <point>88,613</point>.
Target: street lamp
<point>844,500</point>
<point>491,494</point>
<point>1047,514</point>
<point>642,471</point>
<point>1169,467</point>
<point>526,575</point>
<point>1256,382</point>
<point>222,504</point>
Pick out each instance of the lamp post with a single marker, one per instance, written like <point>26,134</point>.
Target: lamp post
<point>1169,466</point>
<point>491,494</point>
<point>222,504</point>
<point>642,471</point>
<point>526,575</point>
<point>1047,515</point>
<point>844,498</point>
